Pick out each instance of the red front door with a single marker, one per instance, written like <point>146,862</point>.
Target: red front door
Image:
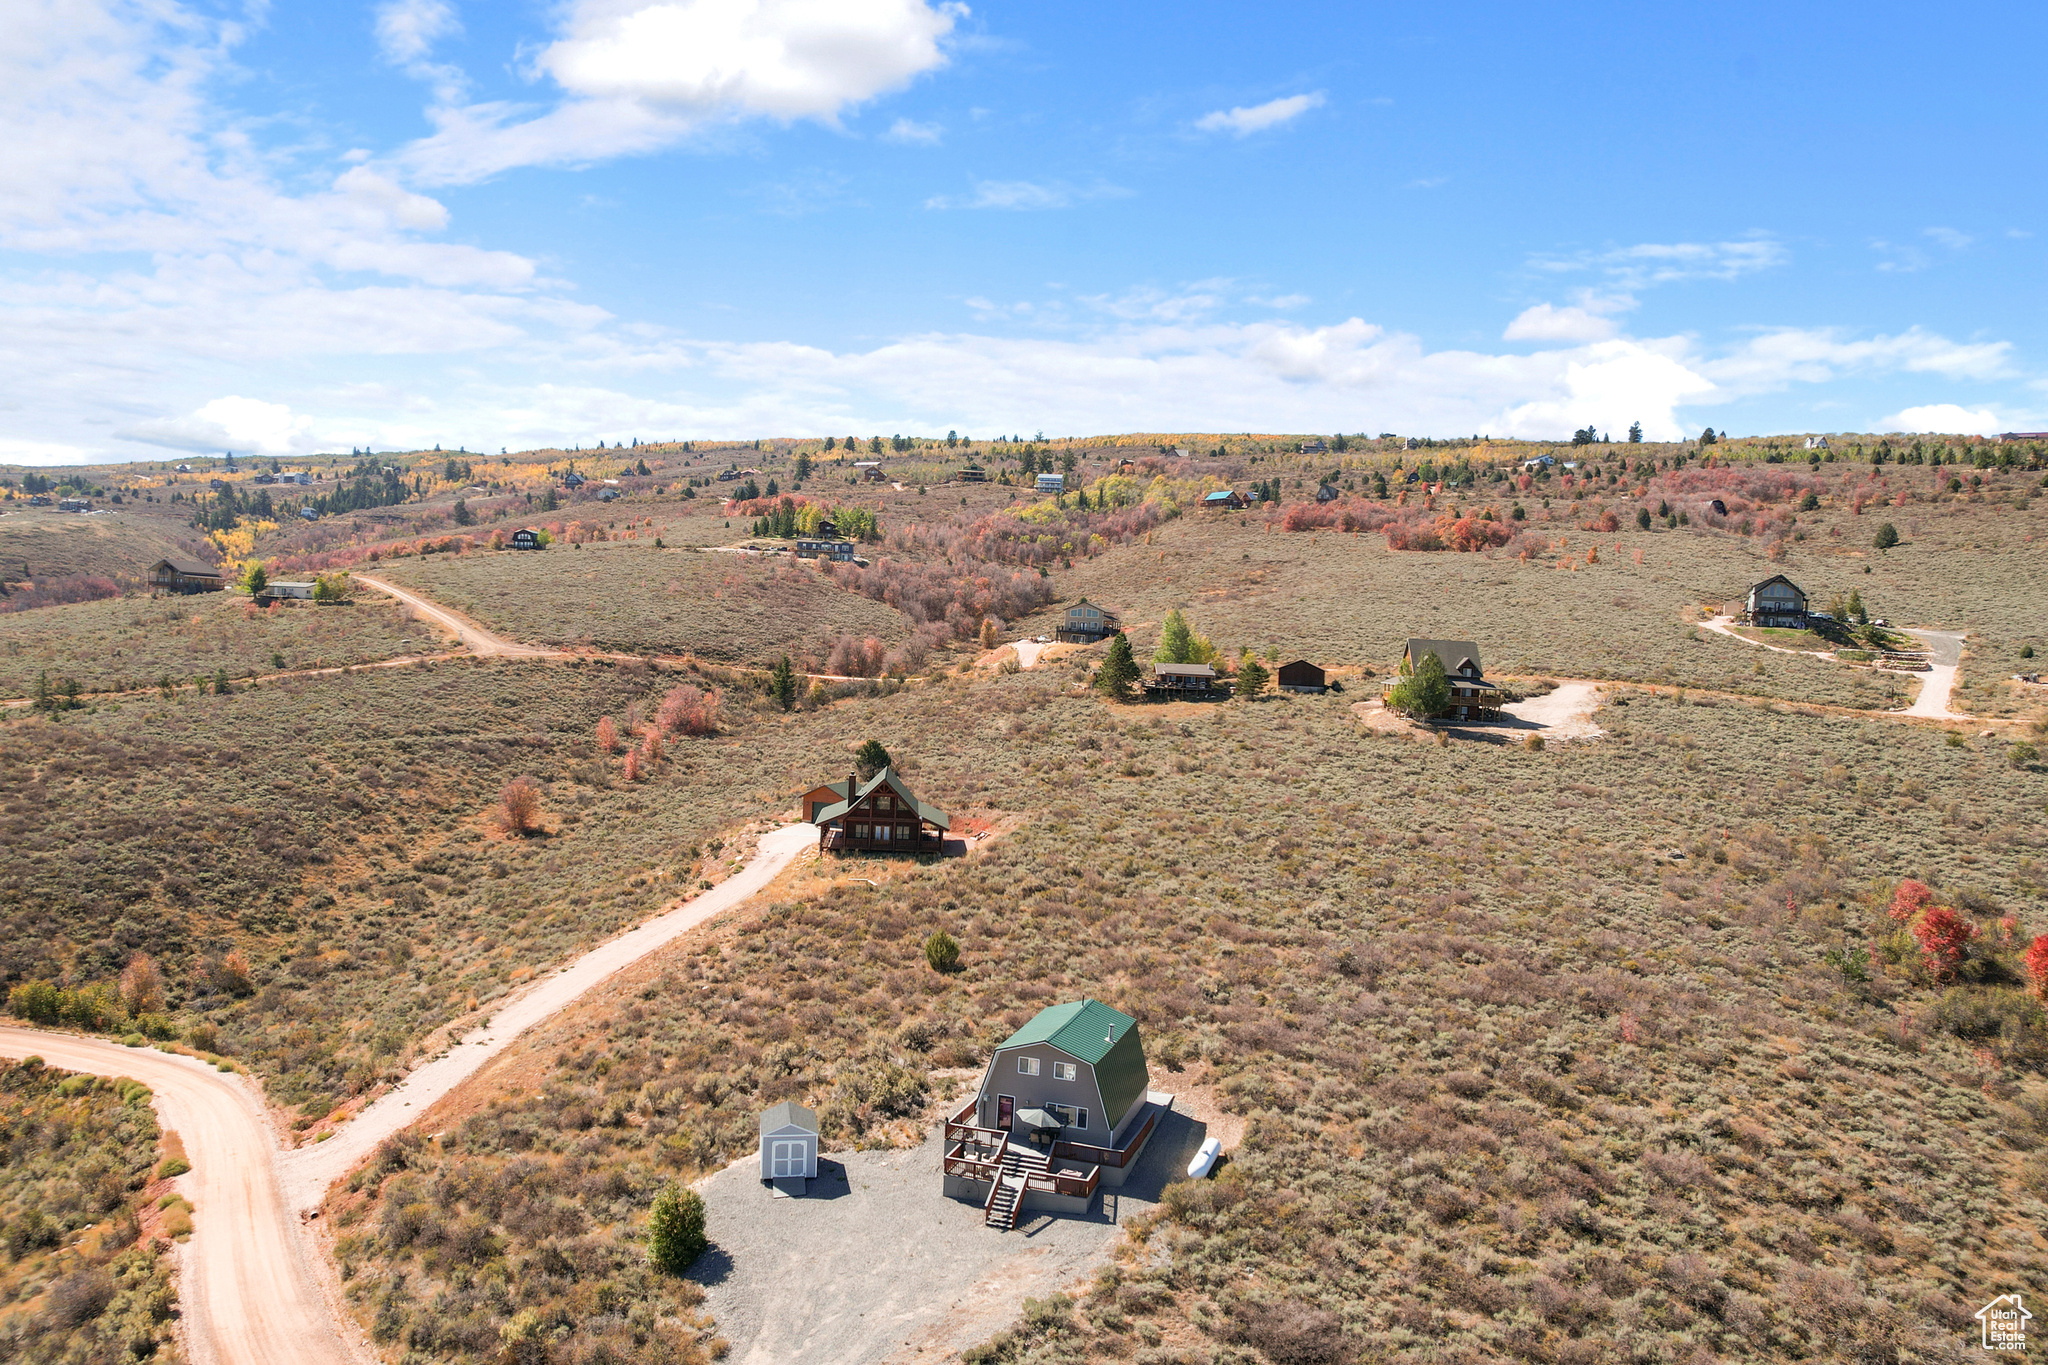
<point>1006,1105</point>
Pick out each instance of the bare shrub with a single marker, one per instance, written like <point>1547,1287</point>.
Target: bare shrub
<point>518,810</point>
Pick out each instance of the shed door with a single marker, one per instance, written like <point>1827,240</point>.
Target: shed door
<point>1006,1106</point>
<point>786,1158</point>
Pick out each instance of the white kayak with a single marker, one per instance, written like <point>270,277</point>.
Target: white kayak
<point>1205,1159</point>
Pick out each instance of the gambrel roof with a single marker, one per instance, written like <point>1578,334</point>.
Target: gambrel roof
<point>886,777</point>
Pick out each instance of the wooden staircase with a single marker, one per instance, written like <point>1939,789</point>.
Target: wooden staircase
<point>1006,1195</point>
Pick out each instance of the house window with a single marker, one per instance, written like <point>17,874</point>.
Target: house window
<point>1027,1066</point>
<point>1063,1071</point>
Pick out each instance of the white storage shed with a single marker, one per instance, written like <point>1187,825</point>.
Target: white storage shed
<point>789,1142</point>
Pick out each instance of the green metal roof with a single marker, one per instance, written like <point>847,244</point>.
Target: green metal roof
<point>924,809</point>
<point>1104,1038</point>
<point>1087,1029</point>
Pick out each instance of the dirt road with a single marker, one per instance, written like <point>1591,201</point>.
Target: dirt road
<point>308,1171</point>
<point>1566,712</point>
<point>246,1284</point>
<point>1945,652</point>
<point>247,1281</point>
<point>479,641</point>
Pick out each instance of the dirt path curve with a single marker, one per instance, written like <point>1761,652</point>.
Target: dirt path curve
<point>480,642</point>
<point>247,1279</point>
<point>1945,651</point>
<point>1720,625</point>
<point>308,1171</point>
<point>246,1283</point>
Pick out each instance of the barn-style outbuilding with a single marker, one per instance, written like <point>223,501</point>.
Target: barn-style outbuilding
<point>789,1142</point>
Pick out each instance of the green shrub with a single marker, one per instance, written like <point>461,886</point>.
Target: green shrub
<point>942,952</point>
<point>675,1229</point>
<point>173,1166</point>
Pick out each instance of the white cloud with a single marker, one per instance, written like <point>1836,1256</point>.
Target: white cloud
<point>641,75</point>
<point>243,426</point>
<point>1946,418</point>
<point>913,132</point>
<point>408,29</point>
<point>1022,194</point>
<point>1949,237</point>
<point>1651,263</point>
<point>1774,359</point>
<point>1545,322</point>
<point>1246,120</point>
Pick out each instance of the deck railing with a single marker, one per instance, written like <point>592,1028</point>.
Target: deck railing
<point>1109,1156</point>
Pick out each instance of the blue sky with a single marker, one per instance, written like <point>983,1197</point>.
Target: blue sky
<point>285,228</point>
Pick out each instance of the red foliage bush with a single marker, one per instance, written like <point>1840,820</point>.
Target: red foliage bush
<point>2037,966</point>
<point>55,592</point>
<point>1944,939</point>
<point>688,710</point>
<point>1910,901</point>
<point>607,735</point>
<point>519,807</point>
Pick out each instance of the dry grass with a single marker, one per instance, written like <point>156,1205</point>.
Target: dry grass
<point>133,642</point>
<point>75,1284</point>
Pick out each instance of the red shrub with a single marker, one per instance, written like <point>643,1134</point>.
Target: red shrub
<point>1944,938</point>
<point>1911,900</point>
<point>607,735</point>
<point>2037,966</point>
<point>688,710</point>
<point>632,765</point>
<point>519,807</point>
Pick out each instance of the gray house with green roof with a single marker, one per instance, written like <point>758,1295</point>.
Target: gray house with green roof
<point>1064,1107</point>
<point>881,816</point>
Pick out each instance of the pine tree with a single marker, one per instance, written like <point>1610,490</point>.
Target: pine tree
<point>1174,639</point>
<point>1252,677</point>
<point>675,1229</point>
<point>1887,536</point>
<point>784,684</point>
<point>1119,670</point>
<point>1635,433</point>
<point>870,759</point>
<point>44,700</point>
<point>221,686</point>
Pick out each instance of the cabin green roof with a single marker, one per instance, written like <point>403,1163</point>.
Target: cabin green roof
<point>1104,1038</point>
<point>887,776</point>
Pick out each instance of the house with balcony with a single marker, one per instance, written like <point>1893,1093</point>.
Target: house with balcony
<point>1087,624</point>
<point>1777,601</point>
<point>881,816</point>
<point>184,575</point>
<point>1472,696</point>
<point>1064,1108</point>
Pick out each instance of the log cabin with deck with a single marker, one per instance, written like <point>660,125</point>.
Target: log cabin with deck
<point>1472,696</point>
<point>881,816</point>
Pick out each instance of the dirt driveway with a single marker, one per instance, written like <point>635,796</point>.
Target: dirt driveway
<point>481,642</point>
<point>875,1265</point>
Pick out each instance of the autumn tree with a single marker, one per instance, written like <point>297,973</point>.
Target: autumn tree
<point>519,807</point>
<point>2037,966</point>
<point>142,986</point>
<point>607,735</point>
<point>1944,940</point>
<point>1911,900</point>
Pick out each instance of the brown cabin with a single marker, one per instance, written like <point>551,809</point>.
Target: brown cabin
<point>882,816</point>
<point>1301,676</point>
<point>184,575</point>
<point>1472,696</point>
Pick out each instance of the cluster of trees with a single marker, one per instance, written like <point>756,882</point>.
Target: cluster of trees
<point>53,592</point>
<point>134,1001</point>
<point>685,710</point>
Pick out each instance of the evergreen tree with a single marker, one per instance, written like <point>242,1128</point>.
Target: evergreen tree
<point>221,686</point>
<point>44,700</point>
<point>1887,536</point>
<point>1119,670</point>
<point>1174,639</point>
<point>783,685</point>
<point>1642,518</point>
<point>803,466</point>
<point>870,759</point>
<point>1856,612</point>
<point>675,1229</point>
<point>1252,676</point>
<point>1708,437</point>
<point>1635,433</point>
<point>463,516</point>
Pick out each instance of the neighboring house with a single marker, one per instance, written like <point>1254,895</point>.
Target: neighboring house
<point>2005,436</point>
<point>1127,467</point>
<point>1541,462</point>
<point>1816,443</point>
<point>882,816</point>
<point>1181,679</point>
<point>608,495</point>
<point>1052,483</point>
<point>184,575</point>
<point>184,469</point>
<point>299,477</point>
<point>1777,601</point>
<point>526,538</point>
<point>39,500</point>
<point>1223,497</point>
<point>789,1142</point>
<point>971,473</point>
<point>728,475</point>
<point>1327,493</point>
<point>1301,676</point>
<point>74,505</point>
<point>1313,447</point>
<point>308,514</point>
<point>824,549</point>
<point>1182,452</point>
<point>1718,508</point>
<point>266,478</point>
<point>871,471</point>
<point>1472,696</point>
<point>573,480</point>
<point>274,591</point>
<point>1085,624</point>
<point>1065,1106</point>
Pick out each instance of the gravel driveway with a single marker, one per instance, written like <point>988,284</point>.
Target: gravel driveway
<point>875,1264</point>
